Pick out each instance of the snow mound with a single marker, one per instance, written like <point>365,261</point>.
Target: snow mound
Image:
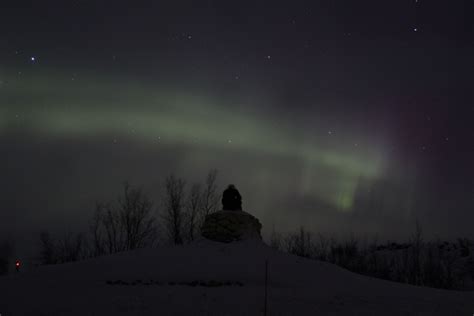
<point>213,278</point>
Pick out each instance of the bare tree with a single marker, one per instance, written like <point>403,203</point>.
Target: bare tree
<point>322,248</point>
<point>71,248</point>
<point>135,218</point>
<point>193,205</point>
<point>98,241</point>
<point>48,250</point>
<point>209,197</point>
<point>174,208</point>
<point>111,225</point>
<point>299,244</point>
<point>124,225</point>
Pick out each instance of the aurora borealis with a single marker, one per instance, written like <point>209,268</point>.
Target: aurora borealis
<point>331,116</point>
<point>176,118</point>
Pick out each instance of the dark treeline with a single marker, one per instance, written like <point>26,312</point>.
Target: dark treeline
<point>440,264</point>
<point>134,221</point>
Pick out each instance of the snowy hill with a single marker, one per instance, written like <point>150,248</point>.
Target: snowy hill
<point>210,278</point>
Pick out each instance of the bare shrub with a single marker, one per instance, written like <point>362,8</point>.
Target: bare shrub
<point>125,224</point>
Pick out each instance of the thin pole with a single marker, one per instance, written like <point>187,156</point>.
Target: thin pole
<point>266,285</point>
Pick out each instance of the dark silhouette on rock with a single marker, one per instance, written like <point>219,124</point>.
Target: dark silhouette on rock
<point>231,199</point>
<point>231,223</point>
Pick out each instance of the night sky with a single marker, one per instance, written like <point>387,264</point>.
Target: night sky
<point>342,116</point>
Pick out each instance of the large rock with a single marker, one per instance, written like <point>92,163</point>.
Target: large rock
<point>227,226</point>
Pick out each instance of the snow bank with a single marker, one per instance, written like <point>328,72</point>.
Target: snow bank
<point>204,278</point>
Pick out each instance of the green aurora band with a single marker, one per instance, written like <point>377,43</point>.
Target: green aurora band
<point>59,107</point>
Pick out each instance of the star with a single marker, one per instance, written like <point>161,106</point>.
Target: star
<point>32,58</point>
<point>415,29</point>
<point>268,56</point>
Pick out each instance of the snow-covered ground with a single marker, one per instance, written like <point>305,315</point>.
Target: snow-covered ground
<point>210,278</point>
